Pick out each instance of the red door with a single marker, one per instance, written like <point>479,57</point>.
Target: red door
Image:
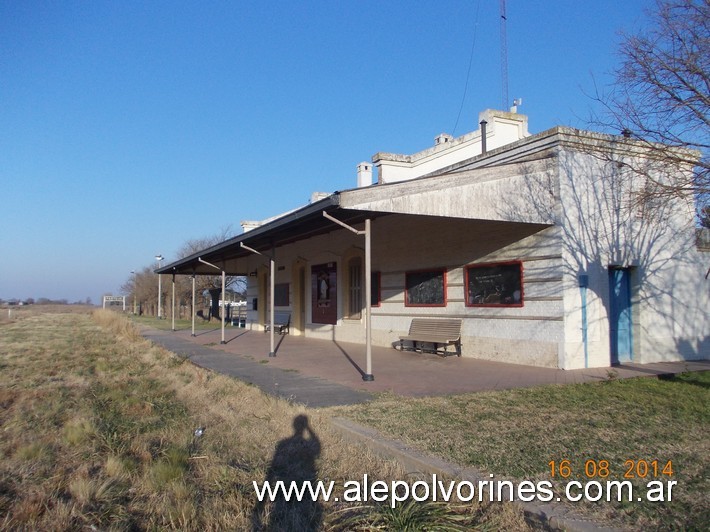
<point>324,293</point>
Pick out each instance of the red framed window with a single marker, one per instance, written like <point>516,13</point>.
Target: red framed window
<point>425,288</point>
<point>375,289</point>
<point>497,284</point>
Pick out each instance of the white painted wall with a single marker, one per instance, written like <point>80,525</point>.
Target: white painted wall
<point>490,215</point>
<point>600,227</point>
<point>528,335</point>
<point>502,129</point>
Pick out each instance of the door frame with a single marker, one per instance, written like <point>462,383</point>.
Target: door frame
<point>621,309</point>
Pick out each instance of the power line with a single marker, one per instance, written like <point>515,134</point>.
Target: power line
<point>468,74</point>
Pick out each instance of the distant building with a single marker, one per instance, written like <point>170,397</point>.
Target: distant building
<point>535,241</point>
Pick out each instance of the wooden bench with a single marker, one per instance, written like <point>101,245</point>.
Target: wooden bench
<point>439,332</point>
<point>240,319</point>
<point>282,322</point>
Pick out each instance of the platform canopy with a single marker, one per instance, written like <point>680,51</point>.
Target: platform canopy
<point>300,224</point>
<point>473,194</point>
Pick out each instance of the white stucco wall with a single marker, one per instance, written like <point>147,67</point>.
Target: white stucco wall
<point>602,228</point>
<point>483,194</point>
<point>502,128</point>
<point>499,214</point>
<point>527,335</point>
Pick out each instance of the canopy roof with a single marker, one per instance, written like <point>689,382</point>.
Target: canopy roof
<point>491,187</point>
<point>302,223</point>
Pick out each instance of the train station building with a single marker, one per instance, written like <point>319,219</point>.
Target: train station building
<point>545,246</point>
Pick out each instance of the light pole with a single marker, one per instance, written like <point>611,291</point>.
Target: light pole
<point>159,258</point>
<point>135,291</point>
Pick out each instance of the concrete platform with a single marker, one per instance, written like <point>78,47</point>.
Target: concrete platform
<point>322,373</point>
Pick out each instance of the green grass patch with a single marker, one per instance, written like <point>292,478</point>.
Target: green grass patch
<point>517,433</point>
<point>172,466</point>
<point>33,452</point>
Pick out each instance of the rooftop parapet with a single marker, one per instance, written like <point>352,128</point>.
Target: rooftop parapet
<point>501,128</point>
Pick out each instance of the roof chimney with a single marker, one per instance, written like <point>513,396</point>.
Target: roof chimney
<point>443,138</point>
<point>364,175</point>
<point>483,124</point>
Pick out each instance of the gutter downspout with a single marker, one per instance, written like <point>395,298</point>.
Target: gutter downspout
<point>583,284</point>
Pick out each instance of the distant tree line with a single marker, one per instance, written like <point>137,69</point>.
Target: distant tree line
<point>43,301</point>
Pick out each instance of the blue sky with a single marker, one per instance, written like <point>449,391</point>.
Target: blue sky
<point>128,128</point>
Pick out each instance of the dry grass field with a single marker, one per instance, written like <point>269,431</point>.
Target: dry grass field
<point>97,431</point>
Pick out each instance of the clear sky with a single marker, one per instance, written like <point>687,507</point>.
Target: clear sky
<point>128,128</point>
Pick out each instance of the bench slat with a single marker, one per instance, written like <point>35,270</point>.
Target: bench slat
<point>434,331</point>
<point>431,337</point>
<point>282,322</point>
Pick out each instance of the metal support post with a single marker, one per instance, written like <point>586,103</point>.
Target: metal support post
<point>223,281</point>
<point>272,268</point>
<point>173,304</point>
<point>224,306</point>
<point>193,304</point>
<point>368,376</point>
<point>368,301</point>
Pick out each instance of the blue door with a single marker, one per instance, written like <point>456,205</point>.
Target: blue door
<point>620,315</point>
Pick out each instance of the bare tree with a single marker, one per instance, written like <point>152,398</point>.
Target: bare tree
<point>207,282</point>
<point>142,287</point>
<point>660,101</point>
<point>142,291</point>
<point>705,217</point>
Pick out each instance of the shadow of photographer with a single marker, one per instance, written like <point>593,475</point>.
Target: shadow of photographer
<point>293,463</point>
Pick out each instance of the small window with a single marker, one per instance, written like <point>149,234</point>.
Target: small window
<point>375,291</point>
<point>425,288</point>
<point>355,288</point>
<point>495,285</point>
<point>281,295</point>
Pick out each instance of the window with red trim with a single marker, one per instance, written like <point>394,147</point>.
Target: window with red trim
<point>425,288</point>
<point>375,290</point>
<point>495,285</point>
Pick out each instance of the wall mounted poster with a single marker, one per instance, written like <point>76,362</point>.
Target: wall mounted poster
<point>324,293</point>
<point>495,285</point>
<point>425,288</point>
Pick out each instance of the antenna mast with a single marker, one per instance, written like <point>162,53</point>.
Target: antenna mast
<point>503,56</point>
